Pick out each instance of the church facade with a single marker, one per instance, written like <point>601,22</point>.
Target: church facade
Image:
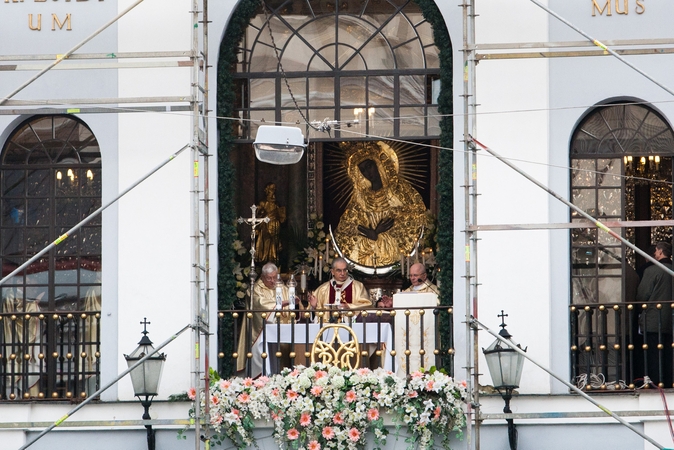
<point>407,108</point>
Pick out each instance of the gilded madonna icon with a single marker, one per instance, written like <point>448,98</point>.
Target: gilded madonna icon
<point>385,214</point>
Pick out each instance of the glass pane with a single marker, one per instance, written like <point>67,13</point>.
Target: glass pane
<point>38,212</point>
<point>583,173</point>
<point>91,240</point>
<point>13,213</point>
<point>610,261</point>
<point>36,239</point>
<point>609,172</point>
<point>66,270</point>
<point>378,55</point>
<point>66,298</point>
<point>355,63</point>
<point>67,211</point>
<point>43,129</point>
<point>68,247</point>
<point>87,207</point>
<point>352,90</point>
<point>398,30</point>
<point>263,93</point>
<point>65,129</point>
<point>410,55</point>
<point>37,184</point>
<point>412,121</point>
<point>298,86</point>
<point>296,56</point>
<point>584,291</point>
<point>321,33</point>
<point>90,182</point>
<point>263,59</point>
<point>425,32</point>
<point>381,91</point>
<point>610,290</point>
<point>90,298</point>
<point>256,120</point>
<point>12,241</point>
<point>433,121</point>
<point>585,200</point>
<point>381,122</point>
<point>412,90</point>
<point>66,183</point>
<point>610,202</point>
<point>322,61</point>
<point>90,270</point>
<point>321,92</point>
<point>12,183</point>
<point>38,156</point>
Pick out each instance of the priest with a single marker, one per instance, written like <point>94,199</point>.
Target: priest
<point>341,290</point>
<point>264,297</point>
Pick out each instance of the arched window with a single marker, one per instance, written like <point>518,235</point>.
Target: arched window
<point>372,61</point>
<point>50,173</point>
<point>621,156</point>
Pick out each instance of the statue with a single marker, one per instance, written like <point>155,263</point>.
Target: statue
<point>385,214</point>
<point>268,245</point>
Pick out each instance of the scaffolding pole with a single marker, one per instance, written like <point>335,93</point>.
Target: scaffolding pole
<point>200,220</point>
<point>470,217</point>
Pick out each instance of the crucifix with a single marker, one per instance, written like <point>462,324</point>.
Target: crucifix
<point>253,221</point>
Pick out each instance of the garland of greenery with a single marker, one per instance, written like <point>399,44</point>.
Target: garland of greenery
<point>226,174</point>
<point>445,187</point>
<point>226,178</point>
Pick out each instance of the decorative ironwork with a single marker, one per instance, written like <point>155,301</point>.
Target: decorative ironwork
<point>33,367</point>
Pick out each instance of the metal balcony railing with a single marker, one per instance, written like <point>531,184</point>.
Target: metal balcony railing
<point>399,339</point>
<point>49,355</point>
<point>618,346</point>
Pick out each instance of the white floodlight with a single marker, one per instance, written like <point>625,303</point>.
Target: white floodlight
<point>279,145</point>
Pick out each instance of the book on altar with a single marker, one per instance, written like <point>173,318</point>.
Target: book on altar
<point>415,334</point>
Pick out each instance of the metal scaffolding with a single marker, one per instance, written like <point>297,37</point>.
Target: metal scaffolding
<point>472,54</point>
<point>196,59</point>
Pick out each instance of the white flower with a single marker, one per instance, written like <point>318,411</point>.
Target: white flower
<point>338,381</point>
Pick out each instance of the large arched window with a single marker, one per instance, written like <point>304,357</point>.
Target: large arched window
<point>50,173</point>
<point>621,159</point>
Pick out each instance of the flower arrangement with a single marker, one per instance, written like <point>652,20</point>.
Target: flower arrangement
<point>322,407</point>
<point>241,269</point>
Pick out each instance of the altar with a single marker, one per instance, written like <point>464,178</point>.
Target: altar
<point>371,336</point>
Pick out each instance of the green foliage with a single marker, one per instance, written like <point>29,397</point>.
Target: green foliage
<point>226,175</point>
<point>445,188</point>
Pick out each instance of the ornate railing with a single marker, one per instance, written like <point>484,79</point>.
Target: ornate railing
<point>401,339</point>
<point>622,345</point>
<point>49,355</point>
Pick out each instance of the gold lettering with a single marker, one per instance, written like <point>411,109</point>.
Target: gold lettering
<point>56,22</point>
<point>595,8</point>
<point>640,9</point>
<point>39,22</point>
<point>625,10</point>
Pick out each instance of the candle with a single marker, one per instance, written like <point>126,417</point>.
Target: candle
<point>423,257</point>
<point>303,281</point>
<point>407,270</point>
<point>327,249</point>
<point>320,267</point>
<point>279,292</point>
<point>402,264</point>
<point>291,291</point>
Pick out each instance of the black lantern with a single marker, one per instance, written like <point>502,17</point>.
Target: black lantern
<point>146,377</point>
<point>505,367</point>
